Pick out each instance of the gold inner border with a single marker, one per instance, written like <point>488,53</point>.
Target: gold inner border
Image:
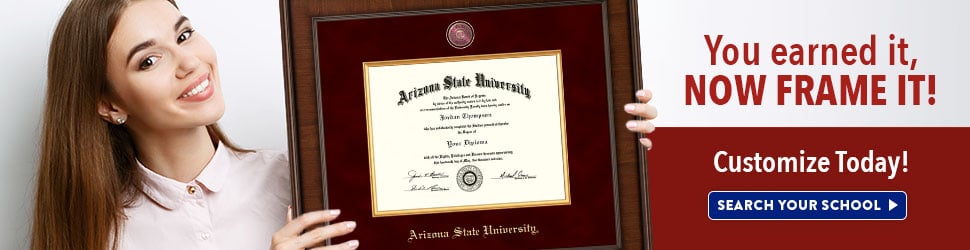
<point>562,129</point>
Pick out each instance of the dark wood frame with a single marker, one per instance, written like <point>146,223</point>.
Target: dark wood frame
<point>302,110</point>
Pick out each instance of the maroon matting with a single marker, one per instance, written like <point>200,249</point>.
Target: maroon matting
<point>344,43</point>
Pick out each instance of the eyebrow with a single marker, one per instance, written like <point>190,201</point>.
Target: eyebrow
<point>150,43</point>
<point>178,24</point>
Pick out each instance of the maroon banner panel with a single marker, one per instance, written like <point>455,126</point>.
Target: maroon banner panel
<point>928,164</point>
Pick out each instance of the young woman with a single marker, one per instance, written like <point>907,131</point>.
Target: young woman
<point>132,158</point>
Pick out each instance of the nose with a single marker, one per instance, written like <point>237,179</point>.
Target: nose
<point>188,62</point>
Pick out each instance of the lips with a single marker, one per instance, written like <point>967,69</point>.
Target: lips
<point>202,84</point>
<point>198,89</point>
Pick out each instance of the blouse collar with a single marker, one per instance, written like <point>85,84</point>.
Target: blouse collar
<point>168,192</point>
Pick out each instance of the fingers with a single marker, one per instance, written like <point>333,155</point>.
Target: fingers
<point>644,95</point>
<point>646,111</point>
<point>640,126</point>
<point>352,244</point>
<point>642,109</point>
<point>320,234</point>
<point>291,236</point>
<point>289,214</point>
<point>646,143</point>
<point>295,226</point>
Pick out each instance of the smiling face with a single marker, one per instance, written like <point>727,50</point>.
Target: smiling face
<point>163,74</point>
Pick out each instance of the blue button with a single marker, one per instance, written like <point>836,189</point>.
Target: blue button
<point>806,205</point>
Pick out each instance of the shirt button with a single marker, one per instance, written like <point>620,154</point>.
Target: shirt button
<point>190,189</point>
<point>204,236</point>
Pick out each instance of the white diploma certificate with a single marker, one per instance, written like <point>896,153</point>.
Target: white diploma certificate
<point>466,133</point>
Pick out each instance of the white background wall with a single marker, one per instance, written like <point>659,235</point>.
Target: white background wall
<point>246,37</point>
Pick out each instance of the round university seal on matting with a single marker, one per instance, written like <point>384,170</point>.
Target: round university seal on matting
<point>460,34</point>
<point>470,178</point>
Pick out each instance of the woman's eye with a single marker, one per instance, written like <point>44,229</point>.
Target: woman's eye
<point>148,62</point>
<point>185,35</point>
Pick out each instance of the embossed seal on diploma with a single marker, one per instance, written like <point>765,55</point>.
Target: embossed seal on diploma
<point>460,34</point>
<point>470,178</point>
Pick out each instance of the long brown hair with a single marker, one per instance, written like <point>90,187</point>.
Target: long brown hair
<point>87,173</point>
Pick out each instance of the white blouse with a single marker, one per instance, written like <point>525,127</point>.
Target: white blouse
<point>237,202</point>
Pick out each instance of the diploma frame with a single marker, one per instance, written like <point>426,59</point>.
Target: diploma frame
<point>308,156</point>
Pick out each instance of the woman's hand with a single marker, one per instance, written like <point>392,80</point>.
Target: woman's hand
<point>290,237</point>
<point>645,110</point>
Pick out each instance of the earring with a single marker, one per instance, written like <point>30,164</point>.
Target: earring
<point>120,120</point>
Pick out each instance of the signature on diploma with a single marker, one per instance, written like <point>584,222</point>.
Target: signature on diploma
<point>518,175</point>
<point>412,174</point>
<point>432,188</point>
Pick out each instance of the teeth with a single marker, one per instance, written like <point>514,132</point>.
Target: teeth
<point>197,89</point>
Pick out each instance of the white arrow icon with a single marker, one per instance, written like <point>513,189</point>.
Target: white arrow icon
<point>892,205</point>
